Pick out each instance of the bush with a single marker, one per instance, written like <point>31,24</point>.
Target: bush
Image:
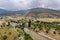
<point>46,31</point>
<point>19,35</point>
<point>15,38</point>
<point>4,32</point>
<point>59,33</point>
<point>4,24</point>
<point>54,32</point>
<point>27,37</point>
<point>9,33</point>
<point>4,37</point>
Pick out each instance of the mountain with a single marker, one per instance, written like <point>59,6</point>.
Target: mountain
<point>43,13</point>
<point>34,12</point>
<point>9,13</point>
<point>2,10</point>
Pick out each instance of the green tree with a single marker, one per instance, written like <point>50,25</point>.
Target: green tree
<point>3,24</point>
<point>8,23</point>
<point>29,23</point>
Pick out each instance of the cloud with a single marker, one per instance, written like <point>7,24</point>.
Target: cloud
<point>25,4</point>
<point>15,4</point>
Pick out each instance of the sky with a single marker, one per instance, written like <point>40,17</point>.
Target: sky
<point>27,4</point>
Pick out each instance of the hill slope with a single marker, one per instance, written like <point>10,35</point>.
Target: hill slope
<point>43,13</point>
<point>9,13</point>
<point>34,12</point>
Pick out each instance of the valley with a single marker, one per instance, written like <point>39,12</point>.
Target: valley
<point>40,23</point>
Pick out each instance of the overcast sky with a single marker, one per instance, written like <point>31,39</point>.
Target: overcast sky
<point>26,4</point>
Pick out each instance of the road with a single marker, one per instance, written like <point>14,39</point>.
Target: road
<point>37,36</point>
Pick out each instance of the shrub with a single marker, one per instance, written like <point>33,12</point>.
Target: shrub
<point>4,37</point>
<point>9,33</point>
<point>4,24</point>
<point>15,38</point>
<point>46,31</point>
<point>19,35</point>
<point>59,33</point>
<point>27,37</point>
<point>54,32</point>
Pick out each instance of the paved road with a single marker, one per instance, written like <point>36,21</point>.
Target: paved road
<point>36,36</point>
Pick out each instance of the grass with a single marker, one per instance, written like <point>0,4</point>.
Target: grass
<point>51,29</point>
<point>28,37</point>
<point>9,33</point>
<point>49,19</point>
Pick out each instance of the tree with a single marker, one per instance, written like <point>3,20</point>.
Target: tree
<point>3,24</point>
<point>8,23</point>
<point>23,24</point>
<point>29,23</point>
<point>40,27</point>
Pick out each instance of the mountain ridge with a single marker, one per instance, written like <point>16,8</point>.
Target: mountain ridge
<point>34,12</point>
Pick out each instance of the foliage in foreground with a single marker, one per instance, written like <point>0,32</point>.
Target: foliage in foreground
<point>27,37</point>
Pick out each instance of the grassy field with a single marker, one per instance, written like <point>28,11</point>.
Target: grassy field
<point>8,33</point>
<point>49,19</point>
<point>40,19</point>
<point>11,33</point>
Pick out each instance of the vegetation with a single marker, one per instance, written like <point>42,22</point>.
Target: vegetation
<point>12,34</point>
<point>4,24</point>
<point>8,34</point>
<point>46,26</point>
<point>4,37</point>
<point>27,37</point>
<point>8,31</point>
<point>8,24</point>
<point>29,23</point>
